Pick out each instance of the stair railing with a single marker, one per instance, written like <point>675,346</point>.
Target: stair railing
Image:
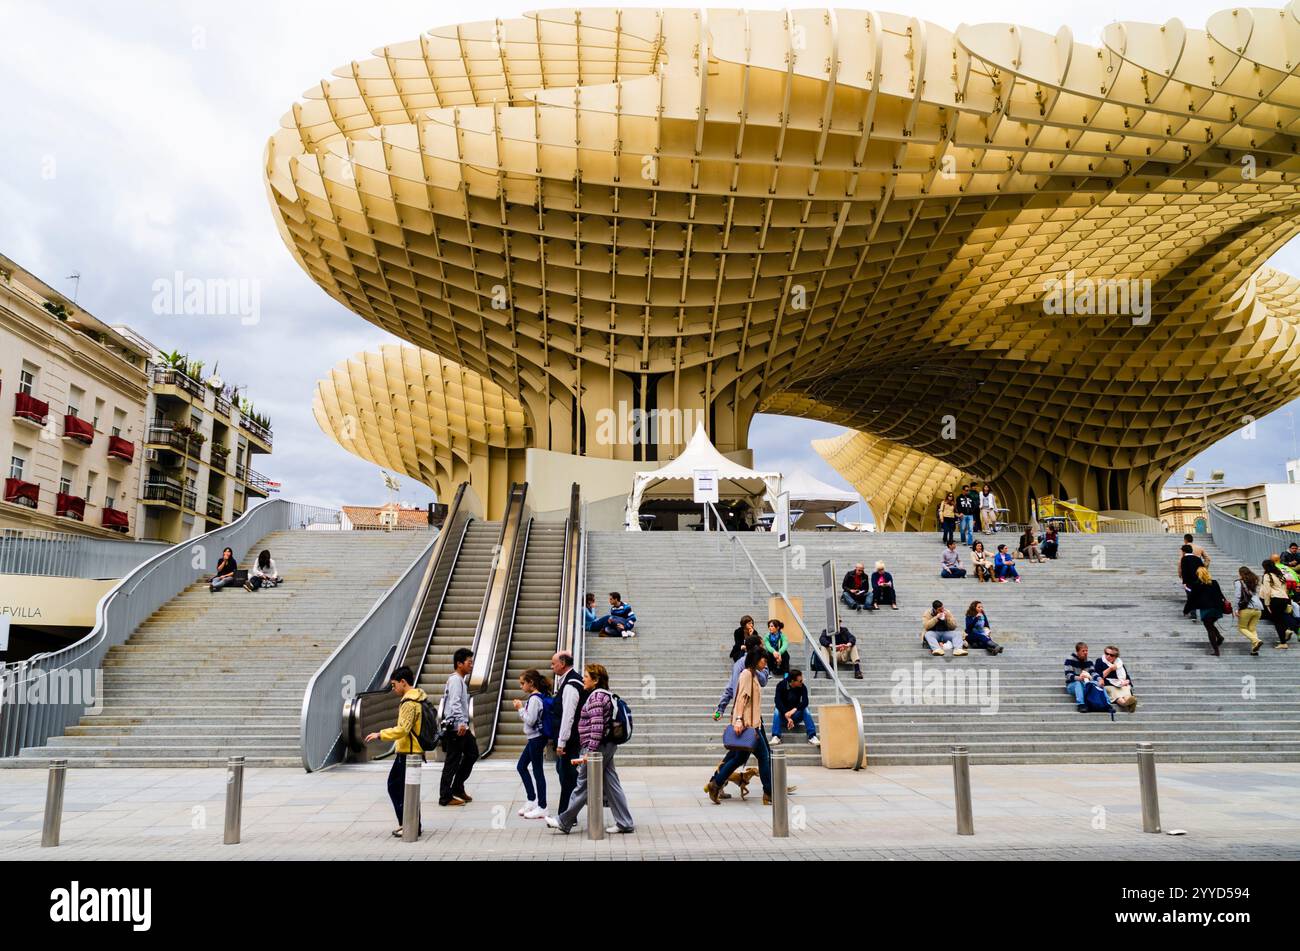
<point>569,633</point>
<point>841,693</point>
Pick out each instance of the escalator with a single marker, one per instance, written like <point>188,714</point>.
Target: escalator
<point>537,614</point>
<point>458,620</point>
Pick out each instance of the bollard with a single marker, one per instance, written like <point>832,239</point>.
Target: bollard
<point>780,796</point>
<point>595,795</point>
<point>961,787</point>
<point>411,799</point>
<point>54,803</point>
<point>1150,796</point>
<point>234,798</point>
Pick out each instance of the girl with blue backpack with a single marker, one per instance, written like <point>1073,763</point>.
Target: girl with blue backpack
<point>534,710</point>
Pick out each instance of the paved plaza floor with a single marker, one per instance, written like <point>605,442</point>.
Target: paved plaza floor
<point>1229,811</point>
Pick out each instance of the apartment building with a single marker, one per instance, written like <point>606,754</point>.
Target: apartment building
<point>74,393</point>
<point>200,444</point>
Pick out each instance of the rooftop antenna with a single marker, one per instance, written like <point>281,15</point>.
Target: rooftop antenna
<point>75,276</point>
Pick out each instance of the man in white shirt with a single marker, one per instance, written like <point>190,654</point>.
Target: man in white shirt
<point>988,510</point>
<point>568,690</point>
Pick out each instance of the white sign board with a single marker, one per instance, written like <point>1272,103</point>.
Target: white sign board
<point>706,485</point>
<point>782,524</point>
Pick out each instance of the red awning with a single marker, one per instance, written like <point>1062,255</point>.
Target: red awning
<point>16,490</point>
<point>70,506</point>
<point>29,407</point>
<point>119,448</point>
<point>78,429</point>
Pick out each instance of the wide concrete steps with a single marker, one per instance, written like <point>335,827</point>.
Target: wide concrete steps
<point>210,675</point>
<point>1104,589</point>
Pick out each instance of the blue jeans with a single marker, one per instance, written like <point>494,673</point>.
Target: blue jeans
<point>803,716</point>
<point>952,572</point>
<point>1075,688</point>
<point>981,640</point>
<point>968,529</point>
<point>532,756</point>
<point>735,759</point>
<point>854,603</point>
<point>1006,571</point>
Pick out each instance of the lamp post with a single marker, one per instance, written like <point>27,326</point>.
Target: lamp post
<point>1216,481</point>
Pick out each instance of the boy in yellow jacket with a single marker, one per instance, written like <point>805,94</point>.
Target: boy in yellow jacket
<point>404,735</point>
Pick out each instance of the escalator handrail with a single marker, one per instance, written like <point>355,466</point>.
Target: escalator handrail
<point>517,578</point>
<point>578,635</point>
<point>492,614</point>
<point>571,595</point>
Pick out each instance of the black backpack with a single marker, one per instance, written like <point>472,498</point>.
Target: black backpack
<point>429,735</point>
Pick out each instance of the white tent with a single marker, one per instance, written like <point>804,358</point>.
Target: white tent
<point>676,480</point>
<point>813,495</point>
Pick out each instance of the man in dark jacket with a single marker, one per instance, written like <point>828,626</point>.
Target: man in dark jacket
<point>968,507</point>
<point>1078,671</point>
<point>792,709</point>
<point>856,588</point>
<point>569,694</point>
<point>1187,567</point>
<point>846,650</point>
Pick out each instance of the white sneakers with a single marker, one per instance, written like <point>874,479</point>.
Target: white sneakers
<point>524,810</point>
<point>627,634</point>
<point>537,812</point>
<point>775,741</point>
<point>959,652</point>
<point>815,741</point>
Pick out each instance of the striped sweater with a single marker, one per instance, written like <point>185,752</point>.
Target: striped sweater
<point>594,722</point>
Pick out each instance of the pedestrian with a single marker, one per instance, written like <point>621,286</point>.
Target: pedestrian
<point>532,710</point>
<point>405,735</point>
<point>458,742</point>
<point>570,695</point>
<point>594,729</point>
<point>1249,607</point>
<point>747,723</point>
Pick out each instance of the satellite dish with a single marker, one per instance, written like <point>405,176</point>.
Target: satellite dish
<point>216,382</point>
<point>1191,475</point>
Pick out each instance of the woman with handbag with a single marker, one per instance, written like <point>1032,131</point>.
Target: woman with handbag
<point>744,735</point>
<point>1272,591</point>
<point>1210,605</point>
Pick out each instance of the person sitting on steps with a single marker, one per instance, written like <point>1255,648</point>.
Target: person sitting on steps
<point>846,651</point>
<point>740,634</point>
<point>882,588</point>
<point>263,573</point>
<point>777,647</point>
<point>938,627</point>
<point>792,709</point>
<point>1004,566</point>
<point>855,589</point>
<point>1078,672</point>
<point>982,561</point>
<point>1114,677</point>
<point>979,633</point>
<point>950,565</point>
<point>620,620</point>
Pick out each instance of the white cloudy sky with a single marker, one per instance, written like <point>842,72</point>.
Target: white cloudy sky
<point>131,148</point>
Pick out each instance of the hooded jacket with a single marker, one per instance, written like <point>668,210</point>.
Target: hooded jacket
<point>409,716</point>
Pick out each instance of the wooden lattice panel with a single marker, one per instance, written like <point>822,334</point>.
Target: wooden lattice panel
<point>852,213</point>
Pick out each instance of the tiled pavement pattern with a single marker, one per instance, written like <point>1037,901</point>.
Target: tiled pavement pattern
<point>1230,811</point>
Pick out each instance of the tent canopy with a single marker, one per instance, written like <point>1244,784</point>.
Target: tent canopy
<point>813,495</point>
<point>676,480</point>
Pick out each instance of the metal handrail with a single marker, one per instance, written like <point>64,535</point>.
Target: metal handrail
<point>840,690</point>
<point>117,615</point>
<point>571,603</point>
<point>67,555</point>
<point>1248,541</point>
<point>508,622</point>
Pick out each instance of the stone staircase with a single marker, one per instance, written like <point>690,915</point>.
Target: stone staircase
<point>1107,588</point>
<point>211,675</point>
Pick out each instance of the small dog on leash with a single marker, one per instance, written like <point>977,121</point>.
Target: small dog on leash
<point>741,778</point>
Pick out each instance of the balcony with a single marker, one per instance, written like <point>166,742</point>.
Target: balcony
<point>219,456</point>
<point>257,482</point>
<point>22,493</point>
<point>216,508</point>
<point>70,506</point>
<point>118,521</point>
<point>78,430</point>
<point>169,493</point>
<point>120,449</point>
<point>256,430</point>
<point>178,440</point>
<point>223,406</point>
<point>163,376</point>
<point>28,409</point>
